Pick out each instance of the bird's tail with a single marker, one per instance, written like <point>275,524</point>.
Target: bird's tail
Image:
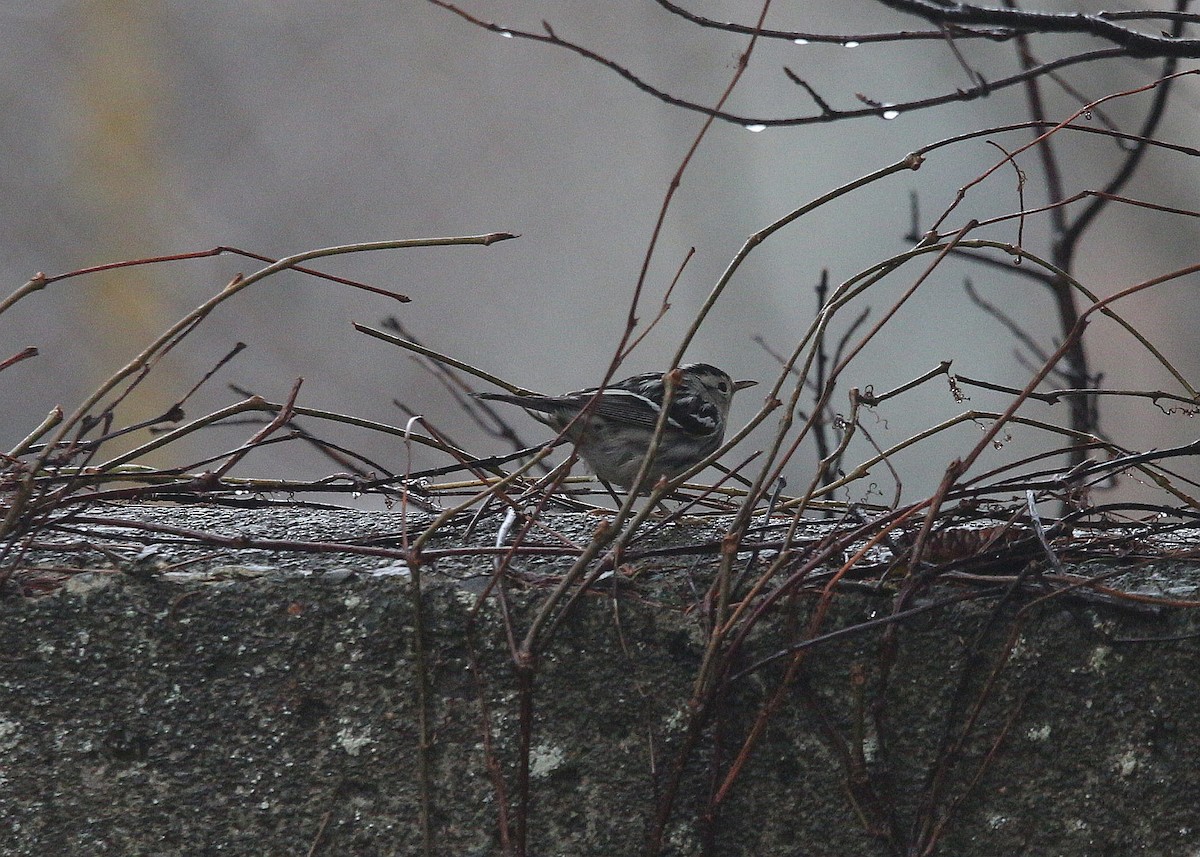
<point>534,404</point>
<point>502,397</point>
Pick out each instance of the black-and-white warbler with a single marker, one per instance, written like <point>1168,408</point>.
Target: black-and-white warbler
<point>615,433</point>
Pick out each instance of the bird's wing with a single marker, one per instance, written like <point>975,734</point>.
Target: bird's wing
<point>688,413</point>
<point>613,403</point>
<point>626,406</point>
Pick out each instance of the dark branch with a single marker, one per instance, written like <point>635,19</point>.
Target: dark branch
<point>1099,25</point>
<point>975,92</point>
<point>996,35</point>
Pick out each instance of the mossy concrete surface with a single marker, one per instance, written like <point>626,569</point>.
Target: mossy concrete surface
<point>190,699</point>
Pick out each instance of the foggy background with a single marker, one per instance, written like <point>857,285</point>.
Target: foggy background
<point>136,129</point>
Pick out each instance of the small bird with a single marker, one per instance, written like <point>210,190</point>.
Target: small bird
<point>615,433</point>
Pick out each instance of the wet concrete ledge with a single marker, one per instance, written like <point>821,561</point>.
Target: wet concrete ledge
<point>228,701</point>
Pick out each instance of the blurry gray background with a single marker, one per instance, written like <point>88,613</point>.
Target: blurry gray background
<point>135,129</point>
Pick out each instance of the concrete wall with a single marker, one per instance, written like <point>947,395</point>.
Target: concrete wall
<point>237,705</point>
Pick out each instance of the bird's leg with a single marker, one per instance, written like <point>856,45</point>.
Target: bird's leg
<point>611,491</point>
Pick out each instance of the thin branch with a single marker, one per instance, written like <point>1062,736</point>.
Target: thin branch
<point>975,92</point>
<point>799,37</point>
<point>1135,43</point>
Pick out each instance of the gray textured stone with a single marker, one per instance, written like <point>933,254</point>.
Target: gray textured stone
<point>257,702</point>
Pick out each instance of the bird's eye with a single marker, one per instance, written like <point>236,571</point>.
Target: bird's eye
<point>722,386</point>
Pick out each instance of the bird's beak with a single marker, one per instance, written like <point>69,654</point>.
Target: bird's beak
<point>741,385</point>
